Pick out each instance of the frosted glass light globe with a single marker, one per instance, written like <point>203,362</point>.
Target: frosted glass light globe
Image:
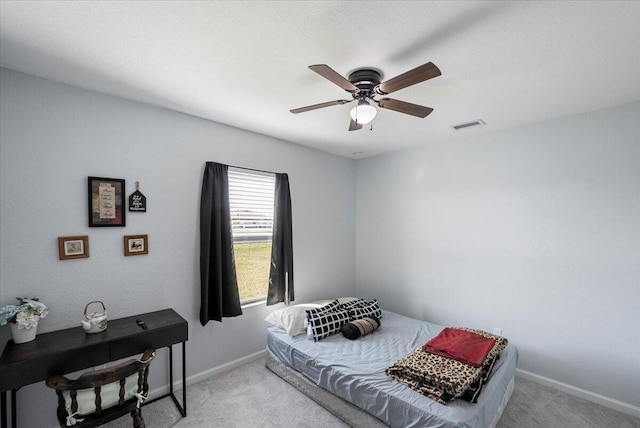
<point>363,113</point>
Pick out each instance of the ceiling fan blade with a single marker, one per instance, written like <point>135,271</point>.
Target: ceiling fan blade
<point>354,126</point>
<point>405,107</point>
<point>332,75</point>
<point>321,105</point>
<point>419,74</point>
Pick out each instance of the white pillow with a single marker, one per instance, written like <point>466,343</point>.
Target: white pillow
<point>291,318</point>
<point>109,393</point>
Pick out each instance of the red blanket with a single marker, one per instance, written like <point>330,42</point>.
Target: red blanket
<point>460,345</point>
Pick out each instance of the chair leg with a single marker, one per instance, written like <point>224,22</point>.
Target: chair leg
<point>138,420</point>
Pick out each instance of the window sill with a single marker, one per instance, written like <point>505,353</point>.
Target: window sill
<point>256,303</point>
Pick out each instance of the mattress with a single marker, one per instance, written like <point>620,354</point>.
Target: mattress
<point>354,371</point>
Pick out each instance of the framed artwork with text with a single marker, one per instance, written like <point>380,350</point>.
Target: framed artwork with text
<point>106,202</point>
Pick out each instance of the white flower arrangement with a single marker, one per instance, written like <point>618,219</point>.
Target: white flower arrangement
<point>25,315</point>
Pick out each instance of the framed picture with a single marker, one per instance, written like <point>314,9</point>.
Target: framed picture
<point>73,247</point>
<point>106,202</point>
<point>135,245</point>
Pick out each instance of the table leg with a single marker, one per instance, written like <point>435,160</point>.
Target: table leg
<point>3,409</point>
<point>182,408</point>
<point>171,370</point>
<point>184,379</point>
<point>14,413</point>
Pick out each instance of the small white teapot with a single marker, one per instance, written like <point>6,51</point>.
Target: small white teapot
<point>95,322</point>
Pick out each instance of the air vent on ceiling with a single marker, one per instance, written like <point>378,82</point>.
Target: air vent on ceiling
<point>468,125</point>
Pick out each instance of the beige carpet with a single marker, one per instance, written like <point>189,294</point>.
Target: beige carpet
<point>251,396</point>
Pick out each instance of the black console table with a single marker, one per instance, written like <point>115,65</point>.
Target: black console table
<point>70,350</point>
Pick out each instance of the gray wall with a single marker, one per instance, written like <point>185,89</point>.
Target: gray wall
<point>535,230</point>
<point>53,136</point>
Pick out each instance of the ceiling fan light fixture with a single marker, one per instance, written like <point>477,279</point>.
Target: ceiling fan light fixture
<point>363,113</point>
<point>364,85</point>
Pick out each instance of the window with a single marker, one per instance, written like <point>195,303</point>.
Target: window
<point>251,196</point>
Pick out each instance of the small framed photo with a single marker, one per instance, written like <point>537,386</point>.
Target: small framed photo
<point>135,245</point>
<point>73,247</point>
<point>106,202</point>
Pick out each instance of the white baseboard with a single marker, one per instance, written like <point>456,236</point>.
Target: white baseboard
<point>224,367</point>
<point>177,384</point>
<point>582,393</point>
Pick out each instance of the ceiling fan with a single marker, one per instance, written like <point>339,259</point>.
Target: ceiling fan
<point>364,85</point>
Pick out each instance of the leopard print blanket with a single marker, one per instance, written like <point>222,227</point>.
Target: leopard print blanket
<point>443,379</point>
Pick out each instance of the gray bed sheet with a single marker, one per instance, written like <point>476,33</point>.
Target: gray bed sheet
<point>354,371</point>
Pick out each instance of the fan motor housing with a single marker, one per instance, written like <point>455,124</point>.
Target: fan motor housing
<point>365,79</point>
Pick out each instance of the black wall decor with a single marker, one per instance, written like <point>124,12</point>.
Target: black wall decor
<point>137,201</point>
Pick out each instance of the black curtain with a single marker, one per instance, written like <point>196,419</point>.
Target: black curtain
<point>281,273</point>
<point>218,282</point>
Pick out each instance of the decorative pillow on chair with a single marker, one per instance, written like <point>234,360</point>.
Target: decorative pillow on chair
<point>365,309</point>
<point>291,318</point>
<point>110,395</point>
<point>354,329</point>
<point>325,324</point>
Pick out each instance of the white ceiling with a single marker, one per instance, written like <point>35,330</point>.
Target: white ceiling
<point>244,63</point>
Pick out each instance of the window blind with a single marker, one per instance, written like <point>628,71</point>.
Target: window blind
<point>251,205</point>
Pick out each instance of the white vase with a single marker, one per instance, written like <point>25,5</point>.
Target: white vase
<point>22,335</point>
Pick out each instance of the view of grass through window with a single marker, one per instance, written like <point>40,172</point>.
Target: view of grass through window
<point>251,195</point>
<point>252,268</point>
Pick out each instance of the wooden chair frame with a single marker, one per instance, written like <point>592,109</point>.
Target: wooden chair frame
<point>95,380</point>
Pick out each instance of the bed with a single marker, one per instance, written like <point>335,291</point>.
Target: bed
<point>348,377</point>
